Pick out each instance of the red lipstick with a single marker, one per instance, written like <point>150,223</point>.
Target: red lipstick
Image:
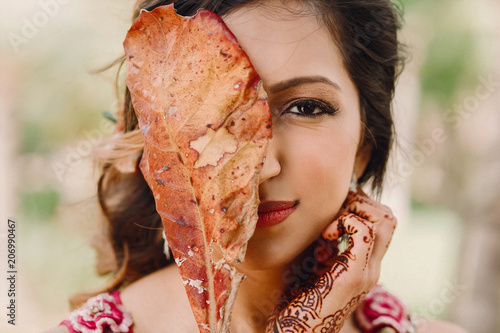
<point>274,212</point>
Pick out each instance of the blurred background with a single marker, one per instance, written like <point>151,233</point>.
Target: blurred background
<point>443,183</point>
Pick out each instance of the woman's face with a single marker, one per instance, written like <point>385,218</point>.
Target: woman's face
<point>316,127</point>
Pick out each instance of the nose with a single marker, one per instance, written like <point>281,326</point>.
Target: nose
<point>272,166</point>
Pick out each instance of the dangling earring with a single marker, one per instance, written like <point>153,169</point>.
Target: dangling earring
<point>166,250</point>
<point>354,183</point>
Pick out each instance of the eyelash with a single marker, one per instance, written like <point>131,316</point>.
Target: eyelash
<point>324,107</point>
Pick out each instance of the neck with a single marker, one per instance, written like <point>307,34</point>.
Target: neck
<point>257,297</point>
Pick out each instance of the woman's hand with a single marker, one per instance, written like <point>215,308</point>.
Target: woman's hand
<point>323,304</point>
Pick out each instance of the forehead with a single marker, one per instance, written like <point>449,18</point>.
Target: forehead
<point>286,41</point>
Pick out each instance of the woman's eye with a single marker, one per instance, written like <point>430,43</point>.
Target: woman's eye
<point>310,108</point>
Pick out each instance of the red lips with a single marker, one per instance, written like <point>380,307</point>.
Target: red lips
<point>274,212</point>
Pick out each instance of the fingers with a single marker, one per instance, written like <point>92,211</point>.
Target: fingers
<point>360,204</point>
<point>384,231</point>
<point>354,260</point>
<point>383,220</point>
<point>332,231</point>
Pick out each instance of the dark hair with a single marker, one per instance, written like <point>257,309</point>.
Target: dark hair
<point>366,33</point>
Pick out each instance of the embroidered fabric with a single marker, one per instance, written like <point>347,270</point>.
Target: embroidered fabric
<point>100,314</point>
<point>380,311</point>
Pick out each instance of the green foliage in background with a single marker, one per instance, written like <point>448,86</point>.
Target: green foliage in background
<point>448,67</point>
<point>39,205</point>
<point>450,64</point>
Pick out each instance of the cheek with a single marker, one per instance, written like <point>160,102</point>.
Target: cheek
<point>323,171</point>
<point>325,157</point>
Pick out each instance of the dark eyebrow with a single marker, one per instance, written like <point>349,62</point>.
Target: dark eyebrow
<point>287,84</point>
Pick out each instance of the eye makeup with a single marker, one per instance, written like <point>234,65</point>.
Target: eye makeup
<point>309,108</point>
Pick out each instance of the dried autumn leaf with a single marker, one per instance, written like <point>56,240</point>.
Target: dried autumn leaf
<point>206,126</point>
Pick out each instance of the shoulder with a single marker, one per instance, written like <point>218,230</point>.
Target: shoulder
<point>158,303</point>
<point>154,303</point>
<point>433,326</point>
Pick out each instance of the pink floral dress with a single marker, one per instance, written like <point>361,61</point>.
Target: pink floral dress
<point>380,312</point>
<point>100,314</point>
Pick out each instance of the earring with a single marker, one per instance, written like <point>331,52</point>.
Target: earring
<point>166,250</point>
<point>354,183</point>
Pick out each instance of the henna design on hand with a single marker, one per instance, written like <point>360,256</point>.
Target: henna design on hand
<point>308,307</point>
<point>335,322</point>
<point>305,309</point>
